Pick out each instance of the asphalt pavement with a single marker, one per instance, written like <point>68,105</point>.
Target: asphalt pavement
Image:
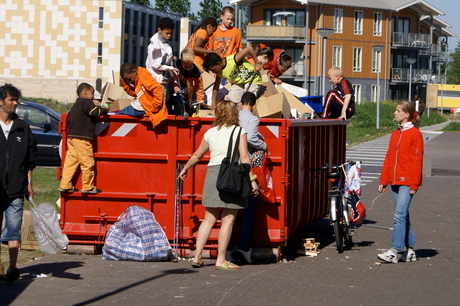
<point>355,277</point>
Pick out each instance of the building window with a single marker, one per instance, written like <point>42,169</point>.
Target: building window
<point>376,61</point>
<point>374,93</point>
<point>101,17</point>
<point>338,20</point>
<point>358,22</point>
<point>298,66</point>
<point>357,89</point>
<point>357,59</point>
<point>297,19</point>
<point>99,53</point>
<point>377,24</point>
<point>337,56</point>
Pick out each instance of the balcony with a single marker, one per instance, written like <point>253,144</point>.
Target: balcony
<point>414,40</point>
<point>296,71</point>
<point>284,33</point>
<point>402,75</point>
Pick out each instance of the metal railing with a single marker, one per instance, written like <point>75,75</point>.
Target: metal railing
<point>410,39</point>
<point>275,32</point>
<point>402,75</point>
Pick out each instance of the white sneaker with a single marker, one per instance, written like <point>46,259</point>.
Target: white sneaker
<point>408,256</point>
<point>388,256</point>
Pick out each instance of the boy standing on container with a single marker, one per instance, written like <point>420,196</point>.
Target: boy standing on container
<point>340,102</point>
<point>160,56</point>
<point>17,161</point>
<point>148,94</point>
<point>227,39</point>
<point>237,71</point>
<point>80,133</point>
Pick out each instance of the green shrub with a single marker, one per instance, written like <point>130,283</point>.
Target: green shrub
<point>60,107</point>
<point>453,126</point>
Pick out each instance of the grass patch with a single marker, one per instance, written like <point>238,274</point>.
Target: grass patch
<point>23,256</point>
<point>362,126</point>
<point>46,187</point>
<point>453,126</point>
<point>60,107</point>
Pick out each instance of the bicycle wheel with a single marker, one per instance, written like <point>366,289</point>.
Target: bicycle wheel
<point>337,223</point>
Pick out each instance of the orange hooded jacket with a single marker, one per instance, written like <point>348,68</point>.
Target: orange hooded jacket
<point>150,94</point>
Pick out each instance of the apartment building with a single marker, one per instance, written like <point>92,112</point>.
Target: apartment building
<point>49,47</point>
<point>404,30</point>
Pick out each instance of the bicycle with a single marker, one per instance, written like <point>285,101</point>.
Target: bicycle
<point>340,205</point>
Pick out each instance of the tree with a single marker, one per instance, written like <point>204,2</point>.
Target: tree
<point>210,8</point>
<point>142,2</point>
<point>453,70</point>
<point>179,7</point>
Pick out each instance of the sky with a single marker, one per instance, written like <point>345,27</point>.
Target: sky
<point>451,8</point>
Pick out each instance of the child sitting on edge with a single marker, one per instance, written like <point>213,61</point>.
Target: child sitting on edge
<point>80,132</point>
<point>237,71</point>
<point>190,79</point>
<point>147,93</point>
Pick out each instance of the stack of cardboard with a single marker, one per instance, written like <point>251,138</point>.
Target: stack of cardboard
<point>275,102</point>
<point>115,96</point>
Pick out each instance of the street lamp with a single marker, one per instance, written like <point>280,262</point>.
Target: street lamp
<point>378,49</point>
<point>325,33</point>
<point>410,61</point>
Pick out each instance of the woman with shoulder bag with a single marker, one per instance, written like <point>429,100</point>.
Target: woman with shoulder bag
<point>216,140</point>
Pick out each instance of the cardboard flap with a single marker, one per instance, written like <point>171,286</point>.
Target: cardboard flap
<point>295,103</point>
<point>274,106</point>
<point>111,92</point>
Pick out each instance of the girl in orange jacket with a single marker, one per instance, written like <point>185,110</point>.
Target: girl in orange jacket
<point>402,169</point>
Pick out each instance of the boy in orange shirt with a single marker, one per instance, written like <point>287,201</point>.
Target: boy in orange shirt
<point>227,39</point>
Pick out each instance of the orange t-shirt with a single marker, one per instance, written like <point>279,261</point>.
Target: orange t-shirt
<point>199,58</point>
<point>229,40</point>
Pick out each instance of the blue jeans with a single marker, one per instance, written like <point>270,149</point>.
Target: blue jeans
<point>130,111</point>
<point>403,235</point>
<point>248,221</point>
<point>13,219</point>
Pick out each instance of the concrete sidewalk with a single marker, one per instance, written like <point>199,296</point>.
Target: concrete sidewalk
<point>355,277</point>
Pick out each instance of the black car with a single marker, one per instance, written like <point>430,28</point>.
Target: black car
<point>43,122</point>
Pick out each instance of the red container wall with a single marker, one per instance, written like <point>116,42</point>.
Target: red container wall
<point>137,165</point>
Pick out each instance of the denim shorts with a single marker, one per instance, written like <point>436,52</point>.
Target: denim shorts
<point>13,219</point>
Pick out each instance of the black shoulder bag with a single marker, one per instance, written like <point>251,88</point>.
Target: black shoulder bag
<point>233,178</point>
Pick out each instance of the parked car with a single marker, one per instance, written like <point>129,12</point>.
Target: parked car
<point>43,122</point>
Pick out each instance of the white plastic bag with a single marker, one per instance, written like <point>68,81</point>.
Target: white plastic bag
<point>46,226</point>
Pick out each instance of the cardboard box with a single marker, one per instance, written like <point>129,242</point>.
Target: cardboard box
<point>274,106</point>
<point>119,104</point>
<point>206,113</point>
<point>111,92</point>
<point>28,238</point>
<point>295,103</point>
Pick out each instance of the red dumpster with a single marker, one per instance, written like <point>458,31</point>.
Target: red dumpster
<point>136,164</point>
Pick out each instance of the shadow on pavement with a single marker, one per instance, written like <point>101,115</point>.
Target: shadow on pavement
<point>10,291</point>
<point>164,273</point>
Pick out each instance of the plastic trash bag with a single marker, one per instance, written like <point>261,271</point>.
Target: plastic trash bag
<point>136,236</point>
<point>46,226</point>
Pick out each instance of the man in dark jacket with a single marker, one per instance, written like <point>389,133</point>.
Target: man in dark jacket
<point>17,160</point>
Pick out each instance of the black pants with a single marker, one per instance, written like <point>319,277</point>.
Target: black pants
<point>333,106</point>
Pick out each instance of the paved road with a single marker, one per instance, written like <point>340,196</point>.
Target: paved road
<point>351,278</point>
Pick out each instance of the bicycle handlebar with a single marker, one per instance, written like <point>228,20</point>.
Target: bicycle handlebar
<point>327,166</point>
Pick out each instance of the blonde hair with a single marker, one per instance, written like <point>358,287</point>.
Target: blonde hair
<point>335,71</point>
<point>187,55</point>
<point>226,114</point>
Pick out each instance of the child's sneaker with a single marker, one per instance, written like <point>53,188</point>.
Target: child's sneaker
<point>93,190</point>
<point>388,256</point>
<point>409,256</point>
<point>70,190</point>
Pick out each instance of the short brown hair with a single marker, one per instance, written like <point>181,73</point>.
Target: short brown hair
<point>228,9</point>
